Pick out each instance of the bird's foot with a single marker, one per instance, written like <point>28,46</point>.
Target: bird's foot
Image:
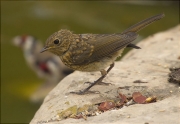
<point>100,83</point>
<point>103,83</point>
<point>83,92</point>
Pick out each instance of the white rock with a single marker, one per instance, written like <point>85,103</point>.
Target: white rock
<point>151,63</point>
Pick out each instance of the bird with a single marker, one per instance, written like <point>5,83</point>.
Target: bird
<point>46,66</point>
<point>93,52</point>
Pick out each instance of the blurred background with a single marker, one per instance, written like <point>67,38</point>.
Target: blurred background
<point>42,18</point>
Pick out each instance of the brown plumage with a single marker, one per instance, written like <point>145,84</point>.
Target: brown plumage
<point>93,52</point>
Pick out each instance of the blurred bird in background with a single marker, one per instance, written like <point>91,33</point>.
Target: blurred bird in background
<point>46,65</point>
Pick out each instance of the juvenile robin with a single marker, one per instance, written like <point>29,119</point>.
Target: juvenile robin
<point>93,52</point>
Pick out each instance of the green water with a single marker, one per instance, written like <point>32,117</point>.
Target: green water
<point>43,18</point>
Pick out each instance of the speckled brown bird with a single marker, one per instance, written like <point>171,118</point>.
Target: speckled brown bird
<point>93,52</point>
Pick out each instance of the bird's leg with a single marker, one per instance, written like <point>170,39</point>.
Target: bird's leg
<point>104,73</point>
<point>111,66</point>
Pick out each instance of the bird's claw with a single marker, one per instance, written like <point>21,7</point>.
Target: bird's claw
<point>100,83</point>
<point>83,92</point>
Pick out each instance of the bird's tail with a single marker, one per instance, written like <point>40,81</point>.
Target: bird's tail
<point>137,27</point>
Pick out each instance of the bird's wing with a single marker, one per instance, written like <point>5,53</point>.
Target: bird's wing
<point>107,44</point>
<point>101,45</point>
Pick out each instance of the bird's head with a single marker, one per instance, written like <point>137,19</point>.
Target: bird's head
<point>59,42</point>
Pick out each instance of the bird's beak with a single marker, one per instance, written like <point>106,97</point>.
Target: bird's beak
<point>44,49</point>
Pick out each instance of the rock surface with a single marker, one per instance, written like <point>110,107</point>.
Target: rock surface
<point>149,65</point>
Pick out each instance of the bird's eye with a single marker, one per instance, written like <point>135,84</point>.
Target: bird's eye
<point>56,41</point>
